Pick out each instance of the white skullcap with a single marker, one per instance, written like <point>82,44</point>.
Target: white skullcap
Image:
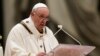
<point>38,5</point>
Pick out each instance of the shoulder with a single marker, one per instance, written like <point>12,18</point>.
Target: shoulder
<point>17,32</point>
<point>18,28</point>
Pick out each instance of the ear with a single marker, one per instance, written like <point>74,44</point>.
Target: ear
<point>32,13</point>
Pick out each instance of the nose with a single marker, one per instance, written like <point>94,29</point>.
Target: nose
<point>44,19</point>
<point>44,22</point>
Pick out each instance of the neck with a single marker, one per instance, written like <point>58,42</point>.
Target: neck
<point>40,31</point>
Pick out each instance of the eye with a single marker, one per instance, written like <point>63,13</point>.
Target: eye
<point>47,17</point>
<point>41,16</point>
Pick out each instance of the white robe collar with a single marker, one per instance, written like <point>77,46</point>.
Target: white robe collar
<point>30,24</point>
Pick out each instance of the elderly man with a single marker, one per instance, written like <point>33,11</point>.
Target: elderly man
<point>31,37</point>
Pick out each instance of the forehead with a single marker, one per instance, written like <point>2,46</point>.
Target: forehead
<point>42,9</point>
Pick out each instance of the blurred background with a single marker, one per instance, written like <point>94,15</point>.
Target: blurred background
<point>80,18</point>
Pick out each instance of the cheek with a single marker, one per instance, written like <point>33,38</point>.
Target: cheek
<point>39,22</point>
<point>36,22</point>
<point>43,22</point>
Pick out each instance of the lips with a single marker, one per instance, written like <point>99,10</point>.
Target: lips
<point>41,25</point>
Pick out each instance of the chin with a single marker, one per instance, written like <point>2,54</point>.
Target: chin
<point>41,27</point>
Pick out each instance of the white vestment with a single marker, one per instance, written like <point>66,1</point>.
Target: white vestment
<point>21,43</point>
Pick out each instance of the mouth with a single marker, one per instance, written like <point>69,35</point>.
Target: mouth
<point>42,25</point>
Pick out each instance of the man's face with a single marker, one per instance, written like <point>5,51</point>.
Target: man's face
<point>40,17</point>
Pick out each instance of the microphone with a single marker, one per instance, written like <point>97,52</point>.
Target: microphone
<point>0,37</point>
<point>60,28</point>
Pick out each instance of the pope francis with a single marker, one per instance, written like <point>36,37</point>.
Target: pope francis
<point>31,37</point>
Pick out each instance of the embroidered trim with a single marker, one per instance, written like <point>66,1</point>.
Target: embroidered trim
<point>25,26</point>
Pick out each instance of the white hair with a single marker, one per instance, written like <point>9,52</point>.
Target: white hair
<point>39,5</point>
